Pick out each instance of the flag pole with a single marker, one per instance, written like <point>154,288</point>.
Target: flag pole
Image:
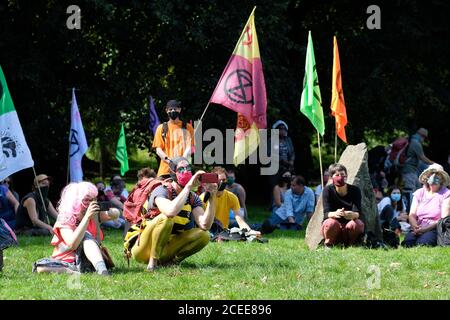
<point>68,152</point>
<point>335,145</point>
<point>201,118</point>
<point>320,159</point>
<point>42,198</point>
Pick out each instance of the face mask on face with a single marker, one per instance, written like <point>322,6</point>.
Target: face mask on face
<point>44,191</point>
<point>183,178</point>
<point>339,181</point>
<point>434,179</point>
<point>230,181</point>
<point>174,114</point>
<point>222,186</point>
<point>395,197</point>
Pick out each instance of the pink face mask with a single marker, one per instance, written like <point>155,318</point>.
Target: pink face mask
<point>184,177</point>
<point>339,181</point>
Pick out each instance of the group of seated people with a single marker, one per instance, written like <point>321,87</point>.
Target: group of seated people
<point>430,205</point>
<point>183,218</point>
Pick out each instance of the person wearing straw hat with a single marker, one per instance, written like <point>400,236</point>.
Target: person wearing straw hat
<point>428,205</point>
<point>33,211</point>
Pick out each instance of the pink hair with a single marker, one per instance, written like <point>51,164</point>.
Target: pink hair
<point>70,205</point>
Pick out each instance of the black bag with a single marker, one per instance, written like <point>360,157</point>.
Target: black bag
<point>236,234</point>
<point>443,232</point>
<point>390,238</point>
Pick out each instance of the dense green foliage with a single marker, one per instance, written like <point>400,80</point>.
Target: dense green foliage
<point>394,78</point>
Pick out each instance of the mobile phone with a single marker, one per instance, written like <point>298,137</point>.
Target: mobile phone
<point>104,205</point>
<point>209,178</point>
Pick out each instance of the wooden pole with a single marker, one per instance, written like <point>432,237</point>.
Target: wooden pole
<point>42,198</point>
<point>320,159</point>
<point>335,146</point>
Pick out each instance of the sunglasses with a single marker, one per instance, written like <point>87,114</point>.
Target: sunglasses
<point>184,169</point>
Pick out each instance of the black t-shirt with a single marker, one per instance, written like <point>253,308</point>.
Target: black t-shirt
<point>332,201</point>
<point>23,218</point>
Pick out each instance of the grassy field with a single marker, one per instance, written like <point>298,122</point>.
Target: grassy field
<point>283,268</point>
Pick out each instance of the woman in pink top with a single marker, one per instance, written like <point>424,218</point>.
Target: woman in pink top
<point>428,205</point>
<point>76,232</point>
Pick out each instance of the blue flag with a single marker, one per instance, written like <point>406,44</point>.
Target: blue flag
<point>78,143</point>
<point>154,120</point>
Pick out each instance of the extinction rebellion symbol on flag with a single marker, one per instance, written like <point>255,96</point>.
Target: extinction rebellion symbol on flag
<point>74,142</point>
<point>239,86</point>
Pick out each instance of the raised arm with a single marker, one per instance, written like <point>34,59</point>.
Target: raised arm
<point>172,207</point>
<point>74,238</point>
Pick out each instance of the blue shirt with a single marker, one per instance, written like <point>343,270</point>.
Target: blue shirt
<point>296,205</point>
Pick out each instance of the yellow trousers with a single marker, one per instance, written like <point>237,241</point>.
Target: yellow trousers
<point>158,242</point>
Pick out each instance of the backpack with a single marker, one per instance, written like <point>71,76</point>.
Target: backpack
<point>137,215</point>
<point>133,208</point>
<point>396,154</point>
<point>443,232</point>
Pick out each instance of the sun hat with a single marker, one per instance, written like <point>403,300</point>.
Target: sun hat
<point>437,169</point>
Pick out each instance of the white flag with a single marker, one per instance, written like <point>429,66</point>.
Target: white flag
<point>77,140</point>
<point>14,152</point>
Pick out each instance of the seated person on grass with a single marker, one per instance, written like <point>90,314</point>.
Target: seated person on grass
<point>32,214</point>
<point>181,228</point>
<point>298,204</point>
<point>77,234</point>
<point>343,220</point>
<point>237,189</point>
<point>224,202</point>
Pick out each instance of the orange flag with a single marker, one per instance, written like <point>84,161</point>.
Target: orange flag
<point>338,109</point>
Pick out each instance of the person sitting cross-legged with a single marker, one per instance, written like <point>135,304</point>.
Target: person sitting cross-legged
<point>343,220</point>
<point>298,204</point>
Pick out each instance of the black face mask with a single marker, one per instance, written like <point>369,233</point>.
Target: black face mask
<point>44,191</point>
<point>174,115</point>
<point>222,186</point>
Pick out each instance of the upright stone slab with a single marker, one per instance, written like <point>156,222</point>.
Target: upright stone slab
<point>354,158</point>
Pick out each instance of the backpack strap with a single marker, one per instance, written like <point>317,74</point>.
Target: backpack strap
<point>165,130</point>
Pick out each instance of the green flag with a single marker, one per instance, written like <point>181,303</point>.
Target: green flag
<point>311,102</point>
<point>121,152</point>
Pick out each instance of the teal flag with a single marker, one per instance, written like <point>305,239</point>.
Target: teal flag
<point>121,152</point>
<point>311,101</point>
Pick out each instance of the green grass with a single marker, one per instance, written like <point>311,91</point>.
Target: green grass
<point>282,269</point>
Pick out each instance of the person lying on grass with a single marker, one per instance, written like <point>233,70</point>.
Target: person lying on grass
<point>172,235</point>
<point>77,234</point>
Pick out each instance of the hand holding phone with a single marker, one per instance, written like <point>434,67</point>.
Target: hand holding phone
<point>209,178</point>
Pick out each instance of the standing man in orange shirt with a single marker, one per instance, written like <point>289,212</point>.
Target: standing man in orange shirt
<point>174,138</point>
